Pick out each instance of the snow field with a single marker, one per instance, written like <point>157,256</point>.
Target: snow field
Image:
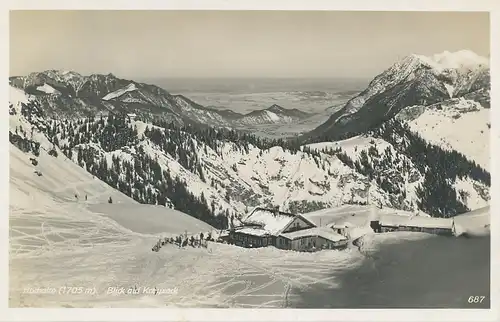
<point>56,240</point>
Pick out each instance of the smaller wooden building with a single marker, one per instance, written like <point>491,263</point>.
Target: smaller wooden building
<point>432,225</point>
<point>313,239</point>
<point>250,237</point>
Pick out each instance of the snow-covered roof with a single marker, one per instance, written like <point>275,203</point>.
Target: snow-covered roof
<point>415,221</point>
<point>392,219</point>
<point>224,233</point>
<point>269,220</point>
<point>430,222</point>
<point>341,225</point>
<point>253,231</point>
<point>326,233</point>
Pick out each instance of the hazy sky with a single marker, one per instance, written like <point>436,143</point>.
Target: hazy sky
<point>235,43</point>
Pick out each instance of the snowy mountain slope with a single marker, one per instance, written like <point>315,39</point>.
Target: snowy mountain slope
<point>398,170</point>
<point>69,94</point>
<point>223,173</point>
<point>472,193</point>
<point>289,180</point>
<point>421,106</point>
<point>351,145</point>
<point>234,177</point>
<point>226,176</point>
<point>149,219</point>
<point>202,114</point>
<point>76,95</point>
<point>414,80</point>
<point>399,176</point>
<point>56,240</point>
<point>251,176</point>
<point>60,178</point>
<point>474,223</point>
<point>459,124</point>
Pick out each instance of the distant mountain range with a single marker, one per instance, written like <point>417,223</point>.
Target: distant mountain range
<point>69,94</point>
<point>416,138</point>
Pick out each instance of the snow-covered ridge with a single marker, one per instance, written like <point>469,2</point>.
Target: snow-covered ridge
<point>129,88</point>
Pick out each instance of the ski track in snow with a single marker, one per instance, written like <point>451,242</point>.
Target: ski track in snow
<point>97,253</point>
<point>57,240</point>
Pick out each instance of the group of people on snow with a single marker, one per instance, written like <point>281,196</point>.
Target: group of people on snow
<point>183,241</point>
<point>76,197</point>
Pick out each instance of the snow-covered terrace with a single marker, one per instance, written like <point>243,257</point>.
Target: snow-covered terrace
<point>326,233</point>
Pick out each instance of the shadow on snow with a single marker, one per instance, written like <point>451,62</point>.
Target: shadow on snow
<point>438,272</point>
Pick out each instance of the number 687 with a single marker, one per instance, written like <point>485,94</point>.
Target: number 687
<point>476,299</point>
